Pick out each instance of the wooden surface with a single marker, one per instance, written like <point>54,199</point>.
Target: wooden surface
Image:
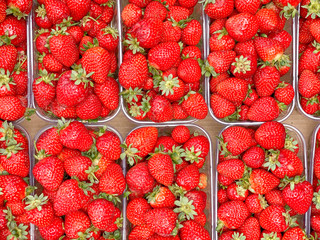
<point>124,125</point>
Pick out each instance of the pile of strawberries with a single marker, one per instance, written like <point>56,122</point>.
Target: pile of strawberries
<point>309,61</point>
<point>315,207</point>
<point>81,183</point>
<point>166,185</point>
<point>262,190</point>
<point>13,58</point>
<point>77,59</point>
<point>247,58</point>
<point>161,68</point>
<point>14,189</point>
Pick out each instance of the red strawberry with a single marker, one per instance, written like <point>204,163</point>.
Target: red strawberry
<point>13,187</point>
<point>194,104</point>
<point>256,203</point>
<point>161,197</point>
<point>264,109</point>
<point>131,14</point>
<point>78,167</point>
<point>136,209</point>
<point>78,9</point>
<point>161,109</point>
<point>309,84</point>
<point>221,60</point>
<point>161,168</point>
<point>244,66</point>
<point>254,157</point>
<point>90,108</point>
<point>251,228</point>
<point>191,34</point>
<point>192,230</point>
<point>8,57</point>
<point>12,26</point>
<point>233,89</point>
<point>233,168</point>
<point>219,9</point>
<point>266,80</point>
<point>11,108</point>
<point>155,10</point>
<point>268,49</point>
<point>273,219</point>
<point>267,19</point>
<point>44,89</point>
<point>189,70</point>
<point>101,212</point>
<point>54,230</point>
<point>76,222</point>
<point>274,197</point>
<point>271,135</point>
<point>250,6</point>
<point>141,232</point>
<point>295,232</point>
<point>108,145</point>
<point>56,10</point>
<point>262,181</point>
<point>112,181</point>
<point>221,107</point>
<point>284,93</point>
<point>188,177</point>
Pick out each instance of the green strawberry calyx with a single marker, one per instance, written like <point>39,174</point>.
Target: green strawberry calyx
<point>110,197</point>
<point>313,9</point>
<point>114,235</point>
<point>130,153</point>
<point>36,202</point>
<point>131,95</point>
<point>316,199</point>
<point>110,30</point>
<point>7,133</point>
<point>80,76</point>
<point>223,147</point>
<point>185,208</point>
<point>176,154</point>
<point>272,160</point>
<point>11,149</point>
<point>6,39</point>
<point>208,70</point>
<point>292,181</point>
<point>5,79</point>
<point>85,186</point>
<point>289,11</point>
<point>270,236</point>
<point>133,44</point>
<point>46,77</point>
<point>16,231</point>
<point>166,86</point>
<point>238,236</point>
<point>91,176</point>
<point>177,190</point>
<point>242,64</point>
<point>191,155</point>
<point>16,12</point>
<point>41,11</point>
<point>151,197</point>
<point>290,143</point>
<point>290,221</point>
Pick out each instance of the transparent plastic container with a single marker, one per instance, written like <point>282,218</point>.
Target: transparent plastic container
<point>35,235</point>
<point>34,68</point>
<point>198,14</point>
<point>302,154</point>
<point>313,142</point>
<point>207,169</point>
<point>292,27</point>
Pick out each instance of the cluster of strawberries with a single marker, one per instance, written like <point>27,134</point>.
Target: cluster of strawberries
<point>13,58</point>
<point>247,60</point>
<point>16,210</point>
<point>81,183</point>
<point>262,190</point>
<point>309,61</point>
<point>168,196</point>
<point>161,68</point>
<point>77,59</point>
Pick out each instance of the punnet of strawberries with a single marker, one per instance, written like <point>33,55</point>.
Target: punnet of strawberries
<point>315,207</point>
<point>309,53</point>
<point>250,58</point>
<point>161,69</point>
<point>80,183</point>
<point>14,186</point>
<point>262,192</point>
<point>167,183</point>
<point>76,45</point>
<point>13,59</point>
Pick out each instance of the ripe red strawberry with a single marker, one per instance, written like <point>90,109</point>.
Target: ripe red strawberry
<point>170,32</point>
<point>101,212</point>
<point>140,232</point>
<point>178,13</point>
<point>192,230</point>
<point>256,203</point>
<point>11,108</point>
<point>315,222</point>
<point>56,10</point>
<point>74,135</point>
<point>249,6</point>
<point>309,84</point>
<point>221,107</point>
<point>140,142</point>
<point>44,89</point>
<point>235,192</point>
<point>267,19</point>
<point>262,181</point>
<point>233,168</point>
<point>62,111</point>
<point>221,41</point>
<point>161,197</point>
<point>299,197</point>
<point>232,214</point>
<point>64,48</point>
<point>139,179</point>
<point>90,108</point>
<point>194,104</point>
<point>284,93</point>
<point>49,172</point>
<point>15,161</point>
<point>235,140</point>
<point>13,187</point>
<point>112,181</point>
<point>108,92</point>
<point>136,209</point>
<point>161,168</point>
<point>242,27</point>
<point>266,80</point>
<point>254,157</point>
<point>155,10</point>
<point>219,9</point>
<point>188,177</point>
<point>8,57</point>
<point>251,228</point>
<point>283,37</point>
<point>78,9</point>
<point>272,219</point>
<point>108,145</point>
<point>161,109</point>
<point>161,220</point>
<point>131,14</point>
<point>244,66</point>
<point>233,89</point>
<point>12,26</point>
<point>264,109</point>
<point>189,70</point>
<point>133,72</point>
<point>295,232</point>
<point>271,135</point>
<point>76,222</point>
<point>191,34</point>
<point>54,230</point>
<point>49,141</point>
<point>78,167</point>
<point>274,197</point>
<point>309,60</point>
<point>268,49</point>
<point>221,60</point>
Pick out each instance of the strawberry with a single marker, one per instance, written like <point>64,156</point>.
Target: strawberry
<point>314,30</point>
<point>96,60</point>
<point>251,228</point>
<point>178,13</point>
<point>101,213</point>
<point>143,232</point>
<point>192,230</point>
<point>131,14</point>
<point>161,109</point>
<point>11,108</point>
<point>54,230</point>
<point>264,109</point>
<point>90,108</point>
<point>161,168</point>
<point>244,66</point>
<point>191,34</point>
<point>235,140</point>
<point>49,142</point>
<point>61,111</point>
<point>256,203</point>
<point>161,220</point>
<point>266,80</point>
<point>8,57</point>
<point>49,172</point>
<point>74,135</point>
<point>254,157</point>
<point>309,84</point>
<point>3,8</point>
<point>283,37</point>
<point>41,17</point>
<point>221,60</point>
<point>315,222</point>
<point>232,214</point>
<point>219,9</point>
<point>262,181</point>
<point>267,19</point>
<point>108,93</point>
<point>78,9</point>
<point>108,145</point>
<point>112,181</point>
<point>299,196</point>
<point>309,60</point>
<point>11,27</point>
<point>76,222</point>
<point>15,161</point>
<point>155,10</point>
<point>139,179</point>
<point>78,167</point>
<point>284,93</point>
<point>233,89</point>
<point>136,66</point>
<point>221,107</point>
<point>233,168</point>
<point>171,33</point>
<point>136,210</point>
<point>161,197</point>
<point>274,197</point>
<point>13,187</point>
<point>271,135</point>
<point>295,232</point>
<point>189,70</point>
<point>268,49</point>
<point>56,10</point>
<point>235,192</point>
<point>249,6</point>
<point>188,178</point>
<point>221,41</point>
<point>273,219</point>
<point>242,27</point>
<point>51,64</point>
<point>194,104</point>
<point>139,143</point>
